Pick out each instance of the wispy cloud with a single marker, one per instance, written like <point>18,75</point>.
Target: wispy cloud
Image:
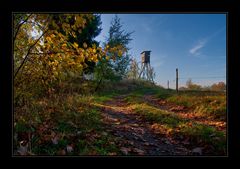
<point>195,49</point>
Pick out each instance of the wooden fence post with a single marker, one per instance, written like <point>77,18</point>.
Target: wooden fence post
<point>177,79</point>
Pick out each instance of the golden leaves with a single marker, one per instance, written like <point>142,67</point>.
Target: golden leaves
<point>64,45</point>
<point>48,39</point>
<point>94,58</point>
<point>53,36</point>
<point>73,34</point>
<point>75,45</point>
<point>58,53</point>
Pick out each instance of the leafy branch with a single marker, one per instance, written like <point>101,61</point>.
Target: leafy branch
<point>29,50</point>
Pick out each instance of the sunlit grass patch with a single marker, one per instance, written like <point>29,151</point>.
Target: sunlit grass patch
<point>171,124</point>
<point>133,98</point>
<point>210,106</point>
<point>182,100</point>
<point>157,115</point>
<point>103,98</point>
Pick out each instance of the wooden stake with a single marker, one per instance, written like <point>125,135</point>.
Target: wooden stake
<point>177,79</point>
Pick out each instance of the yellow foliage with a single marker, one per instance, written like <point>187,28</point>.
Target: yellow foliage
<point>53,36</point>
<point>65,56</point>
<point>64,45</point>
<point>48,39</point>
<point>75,45</point>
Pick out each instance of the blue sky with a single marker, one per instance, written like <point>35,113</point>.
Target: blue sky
<point>193,43</point>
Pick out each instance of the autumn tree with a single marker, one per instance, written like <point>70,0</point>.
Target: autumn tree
<point>83,37</point>
<point>190,85</point>
<point>220,86</point>
<point>152,73</point>
<point>114,66</point>
<point>28,33</point>
<point>43,52</point>
<point>118,40</point>
<point>133,72</point>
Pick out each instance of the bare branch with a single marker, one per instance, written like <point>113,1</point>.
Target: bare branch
<point>36,23</point>
<point>14,38</point>
<point>52,52</point>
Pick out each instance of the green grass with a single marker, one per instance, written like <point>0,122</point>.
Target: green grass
<point>198,133</point>
<point>205,103</point>
<point>156,115</point>
<point>103,98</point>
<point>208,104</point>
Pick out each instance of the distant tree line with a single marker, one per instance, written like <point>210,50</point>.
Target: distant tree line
<point>220,86</point>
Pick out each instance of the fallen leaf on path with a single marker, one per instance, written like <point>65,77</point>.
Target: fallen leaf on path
<point>22,150</point>
<point>136,138</point>
<point>112,154</point>
<point>79,132</point>
<point>125,150</point>
<point>138,135</point>
<point>69,148</point>
<point>104,133</point>
<point>111,142</point>
<point>146,144</point>
<point>135,125</point>
<point>197,151</point>
<point>55,140</point>
<point>130,142</point>
<point>212,135</point>
<point>139,151</point>
<point>185,142</point>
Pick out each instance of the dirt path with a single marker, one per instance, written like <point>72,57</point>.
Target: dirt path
<point>136,136</point>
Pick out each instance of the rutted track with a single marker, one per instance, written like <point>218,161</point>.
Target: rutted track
<point>136,136</point>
